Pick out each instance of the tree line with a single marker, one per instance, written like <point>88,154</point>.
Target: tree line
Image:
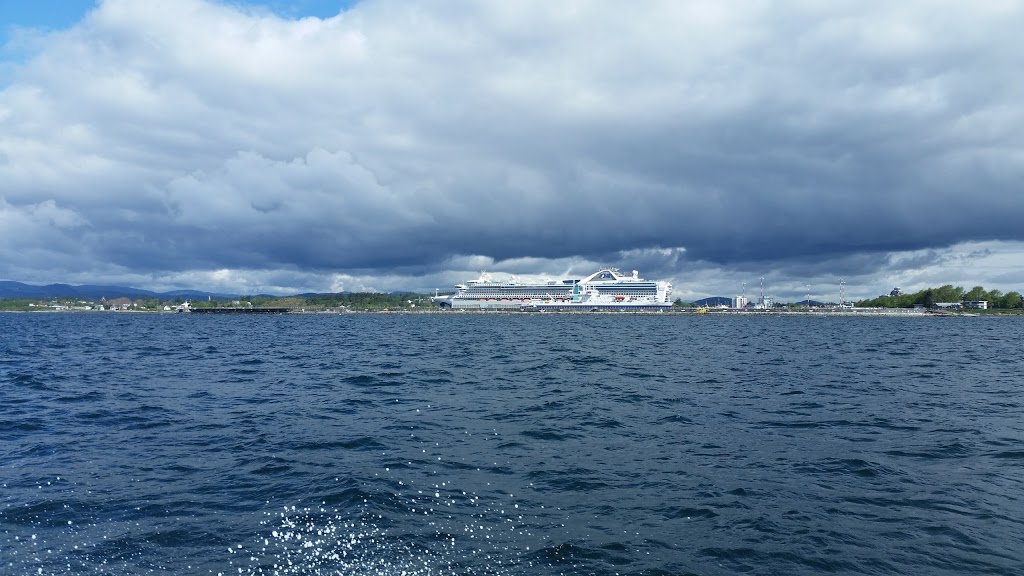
<point>948,293</point>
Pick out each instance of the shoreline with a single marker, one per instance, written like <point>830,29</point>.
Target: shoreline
<point>821,313</point>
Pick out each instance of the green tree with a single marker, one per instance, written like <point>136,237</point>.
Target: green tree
<point>948,293</point>
<point>994,297</point>
<point>976,293</point>
<point>1011,300</point>
<point>928,298</point>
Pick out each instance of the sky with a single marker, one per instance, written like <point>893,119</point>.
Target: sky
<point>382,145</point>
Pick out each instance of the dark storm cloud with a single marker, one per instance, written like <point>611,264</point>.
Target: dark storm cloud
<point>423,142</point>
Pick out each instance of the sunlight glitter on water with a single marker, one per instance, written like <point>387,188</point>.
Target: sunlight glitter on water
<point>293,540</point>
<point>459,535</point>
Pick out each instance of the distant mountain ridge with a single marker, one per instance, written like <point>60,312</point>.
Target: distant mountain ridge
<point>12,289</point>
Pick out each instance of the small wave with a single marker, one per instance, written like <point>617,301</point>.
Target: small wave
<point>573,555</point>
<point>951,450</point>
<point>676,512</point>
<point>674,419</point>
<point>838,467</point>
<point>551,434</point>
<point>588,360</point>
<point>606,423</point>
<point>272,468</point>
<point>1009,455</point>
<point>31,382</point>
<point>571,480</point>
<point>88,396</point>
<point>362,443</point>
<point>794,424</point>
<point>22,425</point>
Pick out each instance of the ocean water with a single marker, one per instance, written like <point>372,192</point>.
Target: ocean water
<point>510,444</point>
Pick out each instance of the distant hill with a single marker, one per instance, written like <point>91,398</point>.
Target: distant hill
<point>329,294</point>
<point>714,301</point>
<point>10,289</point>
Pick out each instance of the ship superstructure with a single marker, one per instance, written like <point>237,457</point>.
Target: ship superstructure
<point>604,289</point>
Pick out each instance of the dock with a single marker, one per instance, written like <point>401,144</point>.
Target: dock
<point>261,310</point>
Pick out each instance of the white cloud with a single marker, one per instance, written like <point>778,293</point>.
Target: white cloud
<point>398,144</point>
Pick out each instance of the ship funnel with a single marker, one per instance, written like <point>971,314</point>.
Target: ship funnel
<point>635,274</point>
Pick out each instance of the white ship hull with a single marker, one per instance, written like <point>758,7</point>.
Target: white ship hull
<point>603,290</point>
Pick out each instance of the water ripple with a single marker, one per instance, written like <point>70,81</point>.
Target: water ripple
<point>506,444</point>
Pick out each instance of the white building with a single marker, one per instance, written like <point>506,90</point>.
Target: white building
<point>739,302</point>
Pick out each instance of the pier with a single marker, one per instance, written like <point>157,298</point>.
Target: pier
<point>263,310</point>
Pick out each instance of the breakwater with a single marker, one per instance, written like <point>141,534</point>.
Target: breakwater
<point>262,310</point>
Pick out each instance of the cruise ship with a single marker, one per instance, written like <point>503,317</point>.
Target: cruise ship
<point>605,289</point>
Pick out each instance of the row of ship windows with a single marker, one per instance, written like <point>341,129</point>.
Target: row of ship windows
<point>553,292</point>
<point>560,288</point>
<point>542,293</point>
<point>547,295</point>
<point>631,286</point>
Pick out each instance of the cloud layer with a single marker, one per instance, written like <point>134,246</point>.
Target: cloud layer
<point>401,145</point>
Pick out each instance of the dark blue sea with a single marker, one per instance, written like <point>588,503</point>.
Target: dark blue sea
<point>510,444</point>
